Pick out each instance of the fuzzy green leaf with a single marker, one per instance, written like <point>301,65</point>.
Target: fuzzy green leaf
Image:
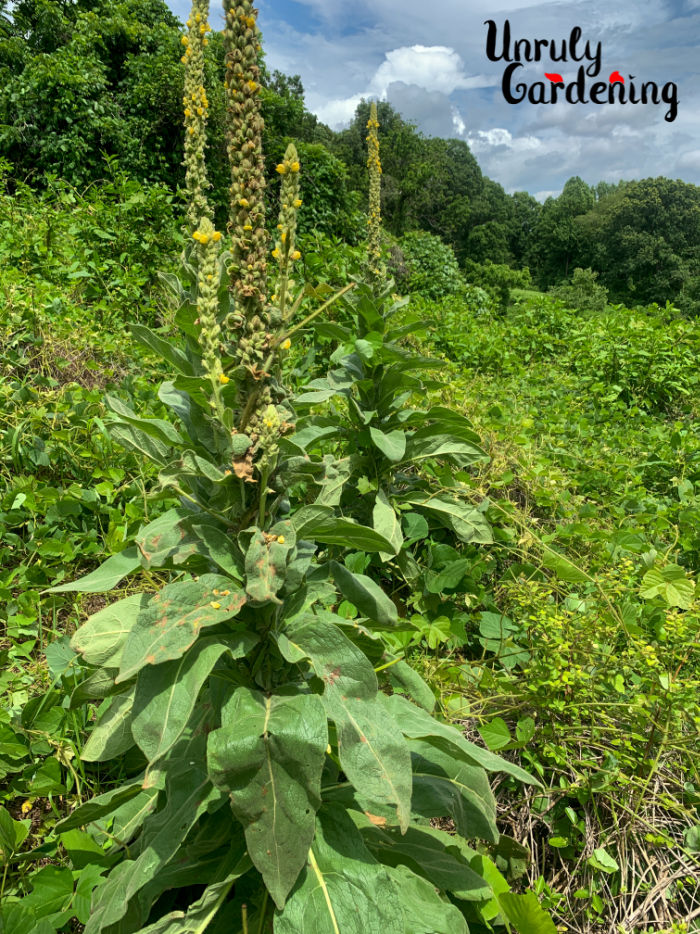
<point>111,735</point>
<point>101,638</point>
<point>106,576</point>
<point>424,910</point>
<point>189,794</point>
<point>445,786</point>
<point>373,753</point>
<point>174,618</point>
<point>339,531</point>
<point>416,723</point>
<point>268,756</point>
<point>343,890</point>
<point>366,595</point>
<point>166,694</point>
<point>392,444</point>
<point>430,853</point>
<point>387,523</point>
<point>100,806</point>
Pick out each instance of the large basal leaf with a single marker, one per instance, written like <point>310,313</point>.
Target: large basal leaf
<point>166,694</point>
<point>189,793</point>
<point>106,576</point>
<point>433,441</point>
<point>174,618</point>
<point>372,751</point>
<point>339,531</point>
<point>407,680</point>
<point>366,595</point>
<point>201,913</point>
<point>444,786</point>
<point>111,735</point>
<point>343,889</point>
<point>392,444</point>
<point>101,638</point>
<point>424,910</point>
<point>268,756</point>
<point>98,807</point>
<point>167,539</point>
<point>156,428</point>
<point>164,348</point>
<point>416,723</point>
<point>430,853</point>
<point>387,523</point>
<point>221,549</point>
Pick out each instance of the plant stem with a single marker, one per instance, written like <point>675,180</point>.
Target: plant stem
<point>263,912</point>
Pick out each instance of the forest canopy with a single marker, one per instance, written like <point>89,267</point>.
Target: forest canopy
<point>87,86</point>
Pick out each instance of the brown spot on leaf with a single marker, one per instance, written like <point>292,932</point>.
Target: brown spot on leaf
<point>375,819</point>
<point>150,659</point>
<point>332,676</point>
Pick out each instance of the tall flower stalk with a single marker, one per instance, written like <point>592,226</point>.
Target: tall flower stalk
<point>196,106</point>
<point>199,212</point>
<point>244,139</point>
<point>374,222</point>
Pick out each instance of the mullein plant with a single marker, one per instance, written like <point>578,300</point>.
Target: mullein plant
<point>264,777</point>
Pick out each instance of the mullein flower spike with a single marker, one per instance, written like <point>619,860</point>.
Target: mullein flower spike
<point>196,106</point>
<point>374,165</point>
<point>285,252</point>
<point>245,127</point>
<point>208,245</point>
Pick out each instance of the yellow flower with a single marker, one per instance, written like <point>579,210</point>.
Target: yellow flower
<point>252,85</point>
<point>247,227</point>
<point>26,807</point>
<point>223,379</point>
<point>216,236</point>
<point>281,168</point>
<point>188,112</point>
<point>198,18</point>
<point>284,236</point>
<point>214,605</point>
<point>204,239</point>
<point>196,235</point>
<point>297,203</point>
<point>244,203</point>
<point>185,40</point>
<point>205,42</point>
<point>286,344</point>
<point>275,253</point>
<point>295,167</point>
<point>280,539</point>
<point>296,255</point>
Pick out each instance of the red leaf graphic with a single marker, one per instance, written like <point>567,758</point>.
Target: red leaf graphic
<point>615,77</point>
<point>553,76</point>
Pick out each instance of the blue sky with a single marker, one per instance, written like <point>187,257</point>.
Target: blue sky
<point>428,58</point>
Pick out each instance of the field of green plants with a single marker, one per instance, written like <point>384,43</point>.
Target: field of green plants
<point>343,588</point>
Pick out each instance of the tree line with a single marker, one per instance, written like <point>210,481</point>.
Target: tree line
<point>83,82</point>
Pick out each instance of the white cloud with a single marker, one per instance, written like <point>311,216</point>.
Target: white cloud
<point>482,140</point>
<point>433,67</point>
